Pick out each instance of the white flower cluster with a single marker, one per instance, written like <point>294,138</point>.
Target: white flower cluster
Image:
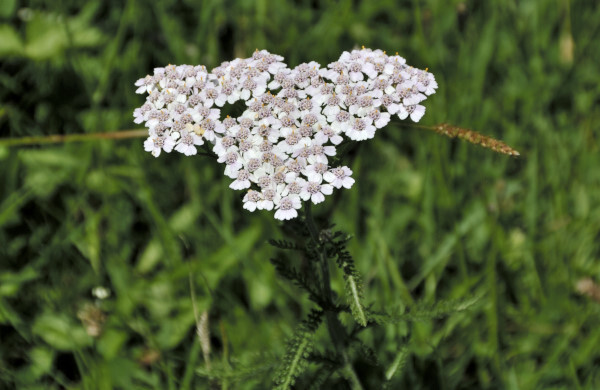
<point>279,149</point>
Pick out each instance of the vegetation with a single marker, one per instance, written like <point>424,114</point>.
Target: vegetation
<point>470,269</point>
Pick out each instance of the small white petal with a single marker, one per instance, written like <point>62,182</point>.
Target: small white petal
<point>286,214</point>
<point>250,206</point>
<point>317,198</point>
<point>328,176</point>
<point>220,101</point>
<point>149,144</point>
<point>327,189</point>
<point>240,184</point>
<point>347,182</point>
<point>418,113</point>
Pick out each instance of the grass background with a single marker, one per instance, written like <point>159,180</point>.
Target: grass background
<point>432,218</point>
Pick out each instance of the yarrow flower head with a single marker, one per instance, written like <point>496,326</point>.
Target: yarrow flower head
<point>279,149</point>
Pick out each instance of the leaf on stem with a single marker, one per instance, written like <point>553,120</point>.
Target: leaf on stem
<point>353,283</point>
<point>398,364</point>
<point>354,293</point>
<point>298,351</point>
<point>286,271</point>
<point>285,245</point>
<point>424,312</point>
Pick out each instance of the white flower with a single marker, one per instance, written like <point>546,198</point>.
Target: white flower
<point>142,113</point>
<point>413,98</point>
<point>370,70</point>
<point>275,67</point>
<point>207,129</point>
<point>293,140</point>
<point>380,119</point>
<point>187,141</point>
<point>209,95</point>
<point>228,93</point>
<point>222,145</point>
<point>363,105</point>
<point>339,177</point>
<point>390,101</point>
<point>251,157</point>
<point>315,191</point>
<point>287,206</point>
<point>361,129</point>
<point>321,94</point>
<point>333,105</point>
<point>429,86</point>
<point>341,122</point>
<point>293,122</point>
<point>145,85</point>
<point>315,171</point>
<point>200,113</point>
<point>294,187</point>
<point>155,144</point>
<point>242,181</point>
<point>318,153</point>
<point>425,82</point>
<point>416,112</point>
<point>269,198</point>
<point>233,161</point>
<point>280,76</point>
<point>251,200</point>
<point>326,134</point>
<point>248,88</point>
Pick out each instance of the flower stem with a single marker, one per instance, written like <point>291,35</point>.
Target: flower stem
<point>334,326</point>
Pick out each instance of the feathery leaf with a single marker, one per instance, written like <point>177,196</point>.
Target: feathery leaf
<point>353,287</point>
<point>424,312</point>
<point>398,364</point>
<point>298,352</point>
<point>238,369</point>
<point>285,245</point>
<point>288,272</point>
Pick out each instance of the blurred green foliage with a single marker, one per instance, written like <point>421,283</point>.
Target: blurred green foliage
<point>432,218</point>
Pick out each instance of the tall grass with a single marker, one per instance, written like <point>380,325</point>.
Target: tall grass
<point>433,219</point>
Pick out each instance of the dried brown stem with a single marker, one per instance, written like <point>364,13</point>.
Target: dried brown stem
<point>55,139</point>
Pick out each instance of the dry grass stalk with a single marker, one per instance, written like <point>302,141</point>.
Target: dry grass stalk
<point>475,138</point>
<point>202,328</point>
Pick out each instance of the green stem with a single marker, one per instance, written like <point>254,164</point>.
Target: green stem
<point>334,326</point>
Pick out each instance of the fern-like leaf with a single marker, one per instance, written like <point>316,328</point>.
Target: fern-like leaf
<point>353,287</point>
<point>298,352</point>
<point>237,369</point>
<point>285,245</point>
<point>424,312</point>
<point>288,272</point>
<point>396,366</point>
<point>327,358</point>
<point>318,381</point>
<point>367,353</point>
<point>336,248</point>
